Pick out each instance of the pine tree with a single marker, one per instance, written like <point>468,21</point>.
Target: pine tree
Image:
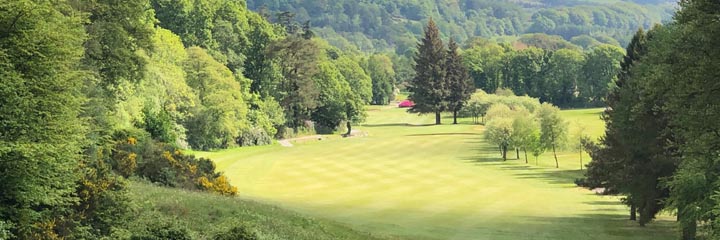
<point>428,89</point>
<point>459,83</point>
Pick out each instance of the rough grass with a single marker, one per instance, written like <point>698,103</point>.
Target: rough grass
<point>204,215</point>
<point>421,181</point>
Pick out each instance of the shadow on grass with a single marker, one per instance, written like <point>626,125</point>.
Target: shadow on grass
<point>583,226</point>
<point>442,134</point>
<point>397,125</point>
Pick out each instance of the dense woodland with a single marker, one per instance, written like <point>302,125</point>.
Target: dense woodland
<point>95,92</point>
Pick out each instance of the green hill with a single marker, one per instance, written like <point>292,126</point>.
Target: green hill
<point>395,25</point>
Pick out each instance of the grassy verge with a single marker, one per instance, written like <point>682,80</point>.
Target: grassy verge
<point>204,215</point>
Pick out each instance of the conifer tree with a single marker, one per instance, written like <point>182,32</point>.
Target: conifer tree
<point>459,83</point>
<point>428,89</point>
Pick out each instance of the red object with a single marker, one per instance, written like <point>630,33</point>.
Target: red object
<point>406,104</point>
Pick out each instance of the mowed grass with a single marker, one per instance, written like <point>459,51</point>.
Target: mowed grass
<point>414,179</point>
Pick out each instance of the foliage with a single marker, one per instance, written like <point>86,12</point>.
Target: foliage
<point>553,129</point>
<point>459,84</point>
<point>380,69</point>
<point>239,232</point>
<point>222,113</point>
<point>40,100</point>
<point>162,230</point>
<point>297,93</point>
<point>428,89</point>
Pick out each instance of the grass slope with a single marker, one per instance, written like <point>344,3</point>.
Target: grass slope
<point>204,214</point>
<point>422,181</point>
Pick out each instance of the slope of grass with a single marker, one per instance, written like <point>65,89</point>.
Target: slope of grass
<point>421,181</point>
<point>204,215</point>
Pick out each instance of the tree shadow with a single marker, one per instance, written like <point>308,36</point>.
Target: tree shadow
<point>442,134</point>
<point>396,125</point>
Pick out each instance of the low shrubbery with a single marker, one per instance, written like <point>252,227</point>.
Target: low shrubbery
<point>167,165</point>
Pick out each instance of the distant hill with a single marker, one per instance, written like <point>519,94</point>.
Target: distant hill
<point>376,25</point>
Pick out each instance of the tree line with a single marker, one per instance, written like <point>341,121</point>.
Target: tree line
<point>94,92</point>
<point>394,25</point>
<point>661,143</point>
<point>563,75</point>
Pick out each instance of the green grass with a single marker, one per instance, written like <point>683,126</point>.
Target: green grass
<point>204,214</point>
<point>413,179</point>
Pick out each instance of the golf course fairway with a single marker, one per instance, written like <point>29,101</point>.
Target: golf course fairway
<point>413,180</point>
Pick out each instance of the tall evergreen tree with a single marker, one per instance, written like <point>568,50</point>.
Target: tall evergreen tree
<point>459,83</point>
<point>428,89</point>
<point>634,154</point>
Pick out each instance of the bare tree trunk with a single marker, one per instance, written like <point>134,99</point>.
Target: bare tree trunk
<point>526,159</point>
<point>633,212</point>
<point>504,153</point>
<point>455,117</point>
<point>517,152</point>
<point>437,118</point>
<point>557,165</point>
<point>349,128</point>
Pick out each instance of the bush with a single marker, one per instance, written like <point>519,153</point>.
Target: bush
<point>162,231</point>
<point>240,232</point>
<point>5,228</point>
<point>254,137</point>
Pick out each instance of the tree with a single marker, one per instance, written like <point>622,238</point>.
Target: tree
<point>500,132</point>
<point>334,91</point>
<point>380,69</point>
<point>42,136</point>
<point>578,138</point>
<point>297,92</point>
<point>562,76</point>
<point>601,68</point>
<point>525,128</point>
<point>485,63</point>
<point>222,114</point>
<point>428,89</point>
<point>553,129</point>
<point>360,91</point>
<point>459,84</point>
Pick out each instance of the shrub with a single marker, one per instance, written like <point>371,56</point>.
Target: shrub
<point>240,232</point>
<point>162,231</point>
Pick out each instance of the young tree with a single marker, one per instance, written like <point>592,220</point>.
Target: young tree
<point>459,84</point>
<point>553,128</point>
<point>578,137</point>
<point>428,89</point>
<point>525,128</point>
<point>500,132</point>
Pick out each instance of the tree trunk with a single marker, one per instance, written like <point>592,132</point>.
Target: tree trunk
<point>689,232</point>
<point>557,165</point>
<point>633,212</point>
<point>526,159</point>
<point>504,153</point>
<point>349,128</point>
<point>581,165</point>
<point>455,117</point>
<point>517,153</point>
<point>437,118</point>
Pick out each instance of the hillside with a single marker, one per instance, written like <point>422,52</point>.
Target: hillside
<point>203,215</point>
<point>395,25</point>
